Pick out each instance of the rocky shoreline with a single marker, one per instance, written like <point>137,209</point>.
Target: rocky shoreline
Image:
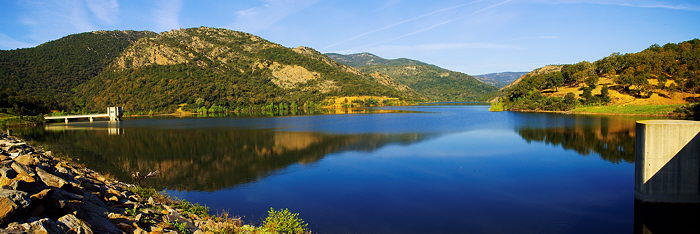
<point>44,194</point>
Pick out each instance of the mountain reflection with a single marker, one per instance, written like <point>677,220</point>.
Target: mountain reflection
<point>203,159</point>
<point>611,138</point>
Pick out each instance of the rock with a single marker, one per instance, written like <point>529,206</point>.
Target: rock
<point>33,187</point>
<point>44,225</point>
<point>72,224</point>
<point>100,224</point>
<point>26,159</point>
<point>14,153</point>
<point>62,170</point>
<point>12,202</point>
<point>8,175</point>
<point>8,172</point>
<point>96,217</point>
<point>50,179</point>
<point>151,201</point>
<point>91,197</point>
<point>126,227</point>
<point>40,195</point>
<point>175,217</point>
<point>23,172</point>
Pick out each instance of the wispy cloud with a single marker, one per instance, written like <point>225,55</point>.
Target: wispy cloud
<point>105,10</point>
<point>270,12</point>
<point>55,18</point>
<point>412,19</point>
<point>635,4</point>
<point>445,46</point>
<point>436,25</point>
<point>541,37</point>
<point>6,42</point>
<point>167,14</point>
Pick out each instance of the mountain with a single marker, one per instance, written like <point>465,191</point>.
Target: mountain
<point>187,68</point>
<point>500,79</point>
<point>431,82</point>
<point>41,78</point>
<point>662,76</point>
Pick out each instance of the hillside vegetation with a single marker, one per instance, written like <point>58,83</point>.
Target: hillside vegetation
<point>191,69</point>
<point>658,76</point>
<point>35,80</point>
<point>430,82</point>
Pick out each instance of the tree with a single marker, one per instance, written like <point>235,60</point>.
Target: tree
<point>570,100</point>
<point>587,95</point>
<point>604,94</point>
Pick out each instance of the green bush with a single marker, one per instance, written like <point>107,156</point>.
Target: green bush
<point>284,221</point>
<point>192,208</point>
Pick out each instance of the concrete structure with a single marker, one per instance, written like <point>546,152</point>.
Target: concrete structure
<point>113,113</point>
<point>667,161</point>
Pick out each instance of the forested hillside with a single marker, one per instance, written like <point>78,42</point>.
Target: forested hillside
<point>191,69</point>
<point>34,80</point>
<point>659,75</point>
<point>221,69</point>
<point>431,82</point>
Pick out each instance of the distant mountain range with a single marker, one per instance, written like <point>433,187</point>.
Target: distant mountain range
<point>430,82</point>
<point>500,79</point>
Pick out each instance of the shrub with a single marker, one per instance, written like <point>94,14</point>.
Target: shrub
<point>284,221</point>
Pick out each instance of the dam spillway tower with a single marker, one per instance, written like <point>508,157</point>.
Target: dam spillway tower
<point>667,161</point>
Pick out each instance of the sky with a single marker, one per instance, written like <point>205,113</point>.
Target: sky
<point>470,36</point>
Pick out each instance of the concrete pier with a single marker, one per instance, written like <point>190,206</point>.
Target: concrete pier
<point>667,161</point>
<point>113,113</point>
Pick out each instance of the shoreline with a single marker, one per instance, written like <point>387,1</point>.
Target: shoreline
<point>44,193</point>
<point>594,113</point>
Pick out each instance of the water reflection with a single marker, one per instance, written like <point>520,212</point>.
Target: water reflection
<point>203,159</point>
<point>611,138</point>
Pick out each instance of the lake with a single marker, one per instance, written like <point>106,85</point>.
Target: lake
<point>413,169</point>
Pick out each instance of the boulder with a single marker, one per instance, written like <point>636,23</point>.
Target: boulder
<point>29,187</point>
<point>8,172</point>
<point>44,225</point>
<point>50,179</point>
<point>11,203</point>
<point>23,172</point>
<point>26,159</point>
<point>71,224</point>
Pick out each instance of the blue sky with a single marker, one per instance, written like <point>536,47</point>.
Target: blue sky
<point>474,37</point>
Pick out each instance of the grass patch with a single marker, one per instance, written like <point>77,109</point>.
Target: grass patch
<point>192,208</point>
<point>11,120</point>
<point>638,110</point>
<point>144,192</point>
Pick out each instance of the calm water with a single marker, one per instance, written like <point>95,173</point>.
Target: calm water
<point>432,169</point>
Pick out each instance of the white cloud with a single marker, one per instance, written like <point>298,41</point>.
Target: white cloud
<point>542,37</point>
<point>167,14</point>
<point>6,42</point>
<point>270,12</point>
<point>48,20</point>
<point>436,25</point>
<point>635,4</point>
<point>403,49</point>
<point>104,10</point>
<point>390,26</point>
